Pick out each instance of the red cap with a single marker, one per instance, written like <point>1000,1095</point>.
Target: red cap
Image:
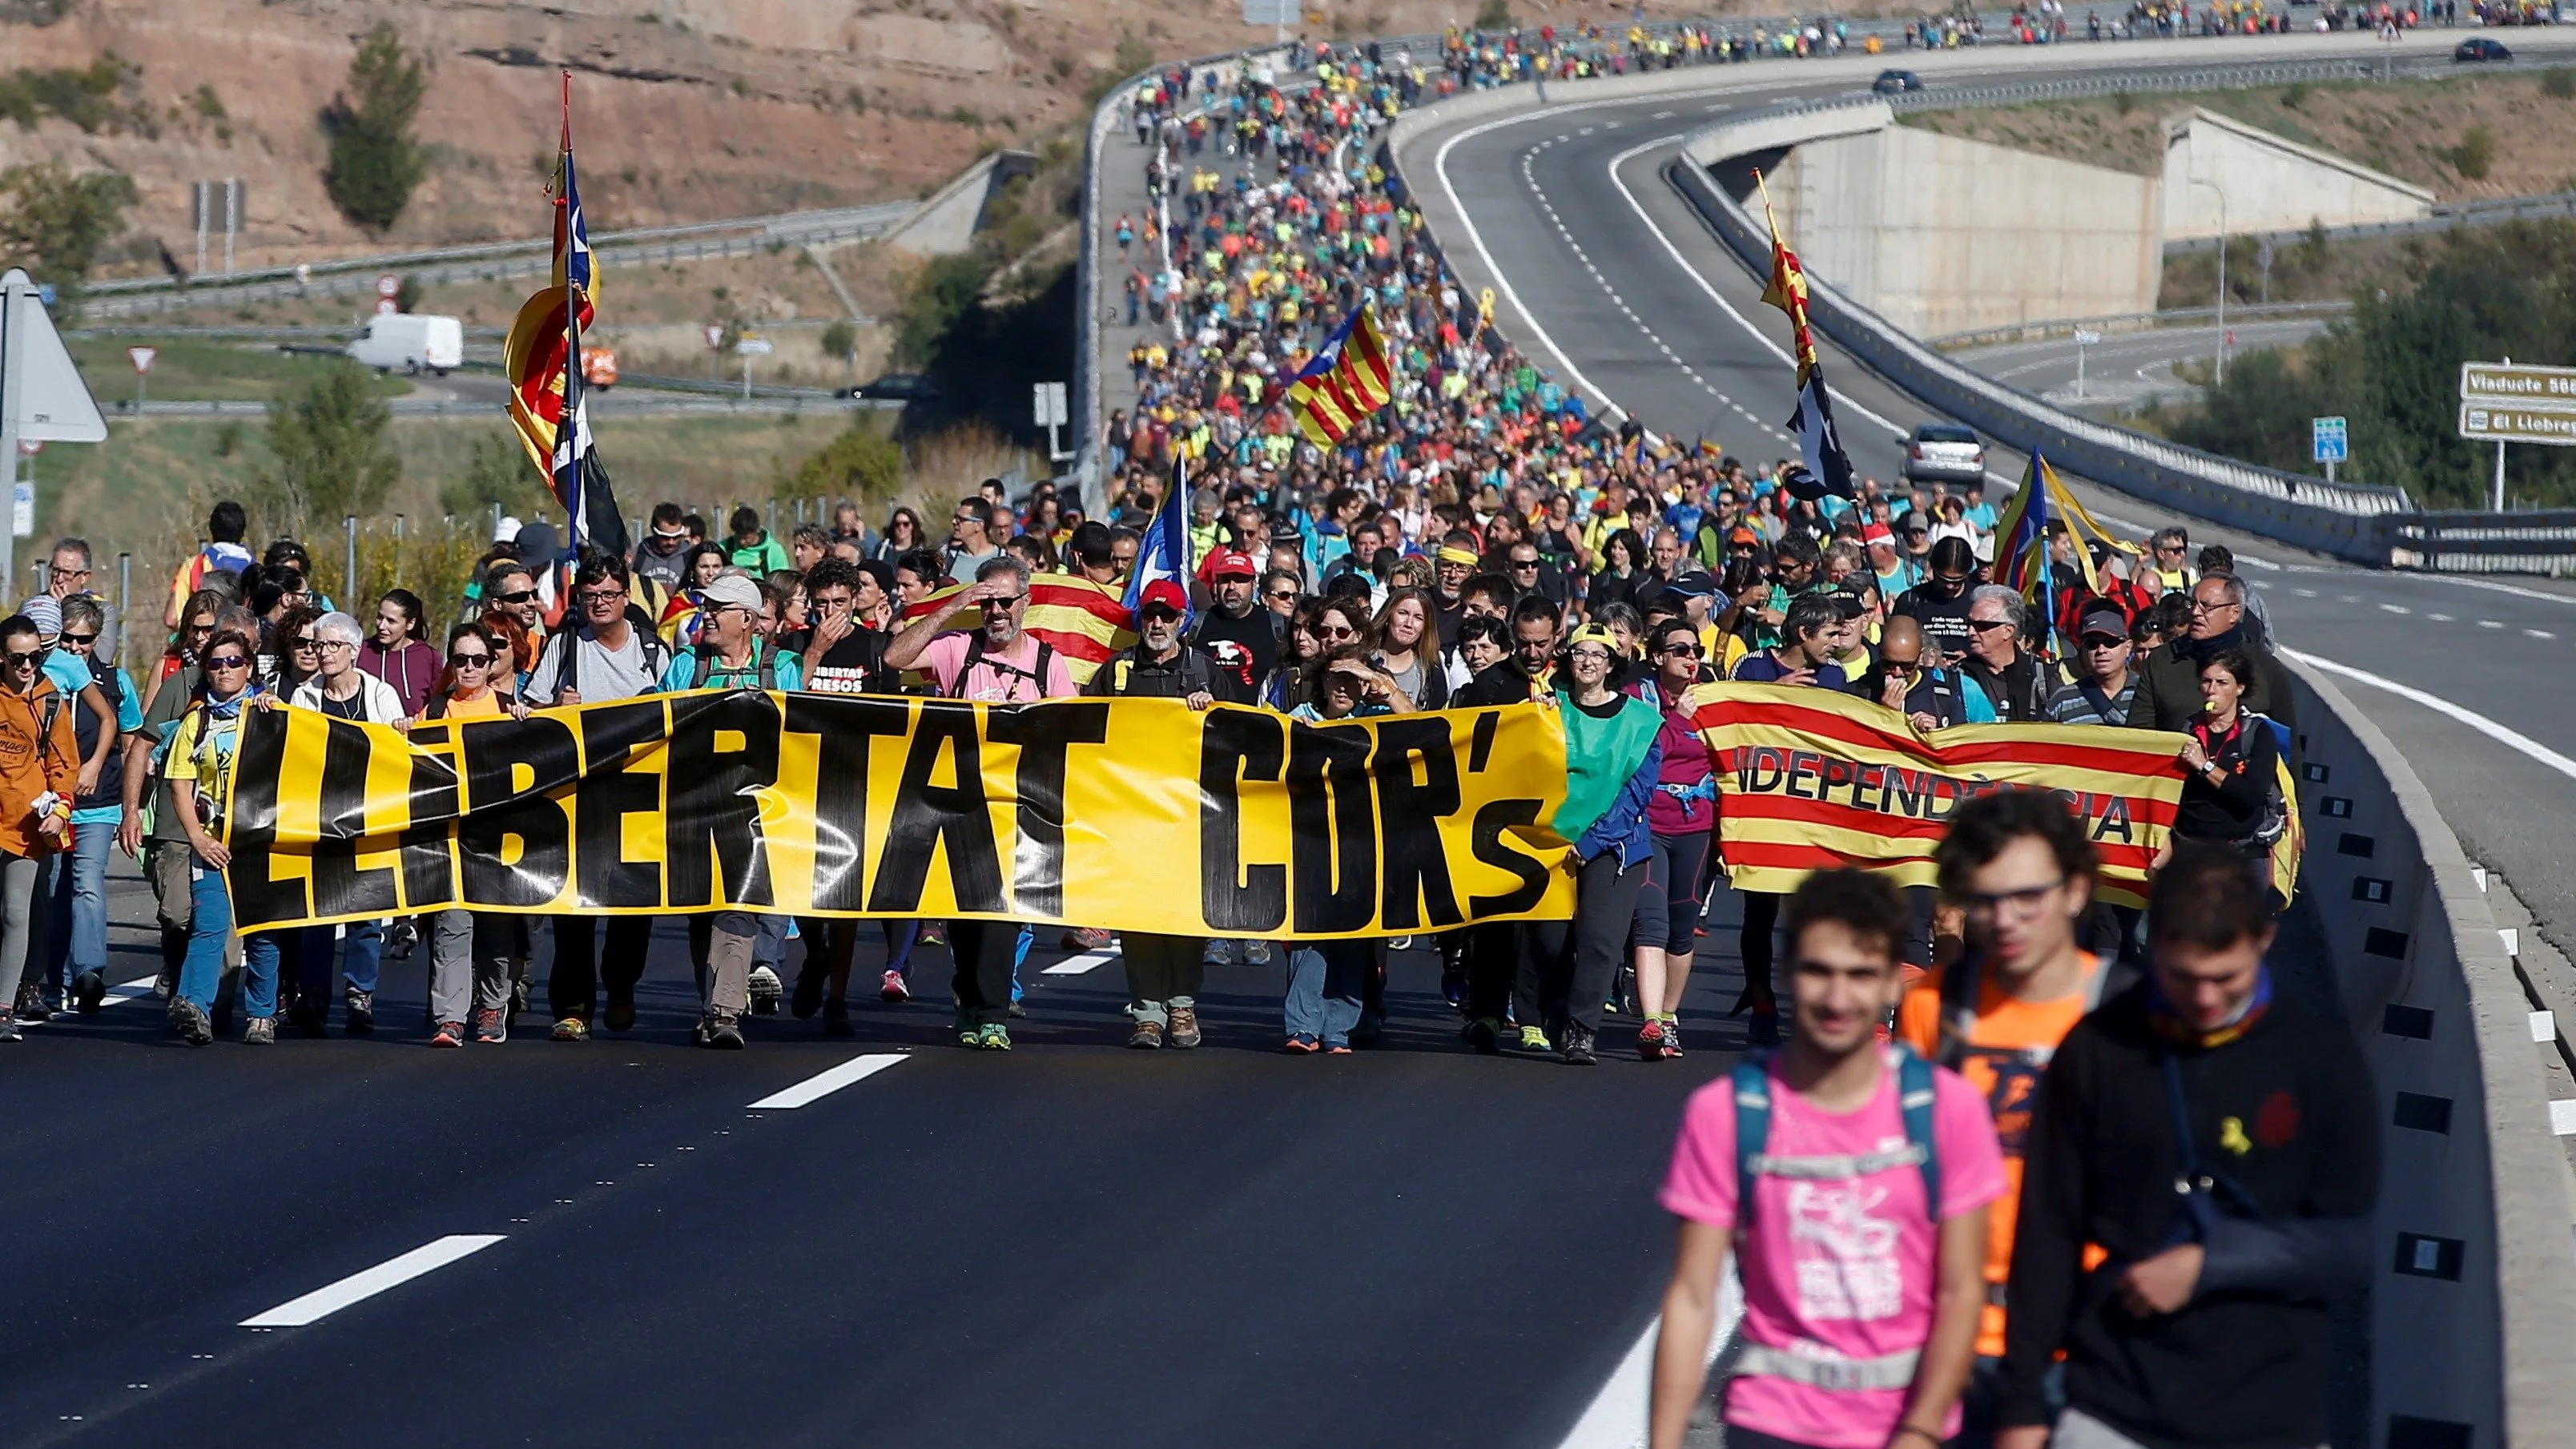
<point>1876,534</point>
<point>1164,593</point>
<point>1228,562</point>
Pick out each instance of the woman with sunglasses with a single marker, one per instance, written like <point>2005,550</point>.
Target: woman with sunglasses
<point>39,768</point>
<point>292,653</point>
<point>196,626</point>
<point>1682,815</point>
<point>680,617</point>
<point>474,955</point>
<point>514,655</point>
<point>199,769</point>
<point>1612,763</point>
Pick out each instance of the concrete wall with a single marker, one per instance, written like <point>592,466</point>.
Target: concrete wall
<point>2271,183</point>
<point>946,224</point>
<point>1939,234</point>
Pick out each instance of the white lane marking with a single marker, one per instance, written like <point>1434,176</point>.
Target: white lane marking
<point>1476,239</point>
<point>2439,618</point>
<point>2489,624</point>
<point>1616,1417</point>
<point>2397,608</point>
<point>2516,590</point>
<point>140,986</point>
<point>1077,965</point>
<point>322,1302</point>
<point>831,1079</point>
<point>2305,593</point>
<point>2540,634</point>
<point>2511,739</point>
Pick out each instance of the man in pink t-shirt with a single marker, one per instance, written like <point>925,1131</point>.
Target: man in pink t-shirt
<point>999,663</point>
<point>1860,1301</point>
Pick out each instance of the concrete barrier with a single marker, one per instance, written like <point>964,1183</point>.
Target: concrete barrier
<point>2474,1304</point>
<point>2271,183</point>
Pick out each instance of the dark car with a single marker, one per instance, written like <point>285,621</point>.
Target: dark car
<point>1896,82</point>
<point>895,387</point>
<point>2479,48</point>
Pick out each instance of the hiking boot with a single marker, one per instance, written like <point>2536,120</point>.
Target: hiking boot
<point>1219,952</point>
<point>362,1012</point>
<point>968,1032</point>
<point>260,1031</point>
<point>491,1026</point>
<point>722,1031</point>
<point>1185,1028</point>
<point>836,1018</point>
<point>449,1034</point>
<point>1485,1034</point>
<point>571,1028</point>
<point>766,991</point>
<point>895,991</point>
<point>993,1037</point>
<point>809,992</point>
<point>89,992</point>
<point>1147,1036</point>
<point>31,1003</point>
<point>189,1020</point>
<point>1578,1047</point>
<point>1256,953</point>
<point>9,1027</point>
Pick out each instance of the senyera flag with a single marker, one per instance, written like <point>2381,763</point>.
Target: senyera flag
<point>1813,779</point>
<point>1350,377</point>
<point>1083,621</point>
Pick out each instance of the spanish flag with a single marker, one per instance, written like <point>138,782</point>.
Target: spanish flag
<point>1349,379</point>
<point>1085,622</point>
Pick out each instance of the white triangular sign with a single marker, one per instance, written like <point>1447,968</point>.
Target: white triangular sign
<point>53,403</point>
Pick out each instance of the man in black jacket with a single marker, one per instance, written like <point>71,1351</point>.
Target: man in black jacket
<point>2209,1321</point>
<point>2168,696</point>
<point>2016,681</point>
<point>1163,972</point>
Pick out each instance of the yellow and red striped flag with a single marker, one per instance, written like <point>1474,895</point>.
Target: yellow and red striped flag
<point>1812,779</point>
<point>1085,622</point>
<point>1342,384</point>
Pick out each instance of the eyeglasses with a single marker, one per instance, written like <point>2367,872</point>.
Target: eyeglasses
<point>62,572</point>
<point>470,661</point>
<point>207,627</point>
<point>25,661</point>
<point>1983,625</point>
<point>1344,631</point>
<point>1288,594</point>
<point>2204,606</point>
<point>229,661</point>
<point>80,639</point>
<point>519,596</point>
<point>1902,666</point>
<point>594,598</point>
<point>2102,642</point>
<point>2023,903</point>
<point>337,644</point>
<point>2169,548</point>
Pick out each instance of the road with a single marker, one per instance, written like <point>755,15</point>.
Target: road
<point>2125,370</point>
<point>1611,278</point>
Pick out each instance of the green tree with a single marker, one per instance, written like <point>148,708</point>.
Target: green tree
<point>1495,15</point>
<point>947,289</point>
<point>53,222</point>
<point>497,470</point>
<point>375,162</point>
<point>333,456</point>
<point>841,340</point>
<point>862,464</point>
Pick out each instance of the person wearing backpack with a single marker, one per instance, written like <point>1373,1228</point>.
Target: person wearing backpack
<point>606,656</point>
<point>2230,759</point>
<point>2017,864</point>
<point>999,662</point>
<point>1851,1181</point>
<point>39,773</point>
<point>2205,1316</point>
<point>729,654</point>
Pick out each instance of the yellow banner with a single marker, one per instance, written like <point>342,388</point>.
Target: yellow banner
<point>1130,814</point>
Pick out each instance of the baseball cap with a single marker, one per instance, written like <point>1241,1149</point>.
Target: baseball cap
<point>1230,563</point>
<point>2103,619</point>
<point>1847,602</point>
<point>731,589</point>
<point>1696,584</point>
<point>1164,594</point>
<point>507,530</point>
<point>1745,536</point>
<point>1594,634</point>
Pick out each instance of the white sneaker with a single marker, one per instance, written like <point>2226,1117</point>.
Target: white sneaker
<point>1220,952</point>
<point>766,991</point>
<point>1256,953</point>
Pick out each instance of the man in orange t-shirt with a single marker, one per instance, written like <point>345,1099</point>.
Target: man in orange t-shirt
<point>2017,862</point>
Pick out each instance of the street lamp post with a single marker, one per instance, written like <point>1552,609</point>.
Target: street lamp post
<point>2219,378</point>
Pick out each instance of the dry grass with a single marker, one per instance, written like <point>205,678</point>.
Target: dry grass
<point>948,465</point>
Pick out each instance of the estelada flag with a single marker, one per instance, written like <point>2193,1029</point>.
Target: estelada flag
<point>532,358</point>
<point>1814,779</point>
<point>1083,621</point>
<point>1350,378</point>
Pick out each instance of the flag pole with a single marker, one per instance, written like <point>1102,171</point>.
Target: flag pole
<point>572,327</point>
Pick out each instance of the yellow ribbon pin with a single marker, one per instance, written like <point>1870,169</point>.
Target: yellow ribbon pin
<point>2231,1135</point>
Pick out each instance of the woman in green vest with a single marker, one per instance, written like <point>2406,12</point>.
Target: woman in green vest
<point>1612,761</point>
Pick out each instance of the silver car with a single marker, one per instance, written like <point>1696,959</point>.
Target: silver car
<point>1943,453</point>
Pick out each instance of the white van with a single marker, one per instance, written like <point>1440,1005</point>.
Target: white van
<point>411,341</point>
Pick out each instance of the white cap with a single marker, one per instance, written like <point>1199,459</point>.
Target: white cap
<point>506,531</point>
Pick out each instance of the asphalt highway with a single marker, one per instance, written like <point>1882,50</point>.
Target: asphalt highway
<point>2124,369</point>
<point>1613,280</point>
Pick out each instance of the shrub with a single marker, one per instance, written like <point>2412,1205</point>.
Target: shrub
<point>375,162</point>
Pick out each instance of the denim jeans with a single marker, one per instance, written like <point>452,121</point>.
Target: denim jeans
<point>261,953</point>
<point>210,922</point>
<point>364,959</point>
<point>73,895</point>
<point>1324,985</point>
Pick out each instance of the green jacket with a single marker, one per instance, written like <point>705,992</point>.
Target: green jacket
<point>762,558</point>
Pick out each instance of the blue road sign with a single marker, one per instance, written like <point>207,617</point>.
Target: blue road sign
<point>2327,438</point>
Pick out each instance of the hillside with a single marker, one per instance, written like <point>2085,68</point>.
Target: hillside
<point>686,109</point>
<point>2412,130</point>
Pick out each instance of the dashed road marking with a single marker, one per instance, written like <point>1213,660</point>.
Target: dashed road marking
<point>2397,608</point>
<point>1078,965</point>
<point>324,1301</point>
<point>2539,633</point>
<point>831,1079</point>
<point>2489,624</point>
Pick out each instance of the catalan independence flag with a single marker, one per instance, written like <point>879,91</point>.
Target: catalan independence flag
<point>1820,442</point>
<point>1350,378</point>
<point>2021,534</point>
<point>1083,621</point>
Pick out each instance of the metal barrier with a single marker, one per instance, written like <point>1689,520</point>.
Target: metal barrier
<point>2135,322</point>
<point>2495,212</point>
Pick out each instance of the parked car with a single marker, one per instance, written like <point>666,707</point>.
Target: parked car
<point>1896,82</point>
<point>1943,453</point>
<point>2479,48</point>
<point>894,387</point>
<point>411,341</point>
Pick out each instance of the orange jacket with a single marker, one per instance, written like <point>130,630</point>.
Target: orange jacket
<point>34,760</point>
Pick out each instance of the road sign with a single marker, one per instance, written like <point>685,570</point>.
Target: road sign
<point>715,336</point>
<point>1049,404</point>
<point>142,357</point>
<point>30,447</point>
<point>22,508</point>
<point>47,399</point>
<point>388,285</point>
<point>2488,422</point>
<point>387,306</point>
<point>755,347</point>
<point>2086,339</point>
<point>2327,441</point>
<point>2510,382</point>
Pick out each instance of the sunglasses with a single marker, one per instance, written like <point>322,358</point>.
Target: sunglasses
<point>1986,625</point>
<point>17,660</point>
<point>470,661</point>
<point>1013,602</point>
<point>1289,594</point>
<point>1683,650</point>
<point>80,638</point>
<point>1345,632</point>
<point>520,596</point>
<point>307,641</point>
<point>229,661</point>
<point>1524,565</point>
<point>2104,641</point>
<point>1903,666</point>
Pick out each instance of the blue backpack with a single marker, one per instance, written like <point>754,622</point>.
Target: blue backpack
<point>1914,1095</point>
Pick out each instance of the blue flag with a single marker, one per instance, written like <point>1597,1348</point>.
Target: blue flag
<point>1164,552</point>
